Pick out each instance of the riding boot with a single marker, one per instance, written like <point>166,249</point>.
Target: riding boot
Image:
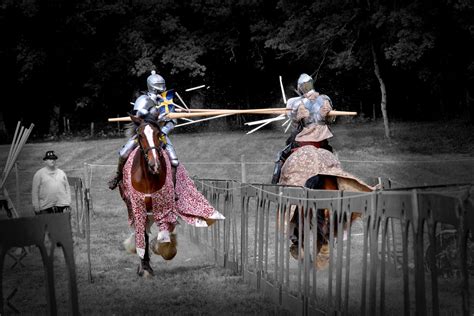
<point>277,172</point>
<point>118,175</point>
<point>281,158</point>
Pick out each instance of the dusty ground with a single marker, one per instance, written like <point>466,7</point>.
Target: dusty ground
<point>421,154</point>
<point>189,285</point>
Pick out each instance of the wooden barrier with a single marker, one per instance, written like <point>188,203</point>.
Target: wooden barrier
<point>398,259</point>
<point>29,231</point>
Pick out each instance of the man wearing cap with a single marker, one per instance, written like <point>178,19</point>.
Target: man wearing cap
<point>50,191</point>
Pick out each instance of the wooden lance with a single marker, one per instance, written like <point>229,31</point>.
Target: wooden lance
<point>208,112</point>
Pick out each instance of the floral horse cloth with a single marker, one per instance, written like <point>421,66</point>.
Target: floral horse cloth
<point>191,206</point>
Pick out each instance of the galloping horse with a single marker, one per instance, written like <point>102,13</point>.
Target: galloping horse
<point>317,168</point>
<point>148,186</point>
<point>146,173</point>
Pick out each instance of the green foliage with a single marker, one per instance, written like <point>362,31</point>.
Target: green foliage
<point>410,37</point>
<point>102,51</point>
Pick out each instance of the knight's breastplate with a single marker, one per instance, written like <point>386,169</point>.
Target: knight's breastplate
<point>312,107</point>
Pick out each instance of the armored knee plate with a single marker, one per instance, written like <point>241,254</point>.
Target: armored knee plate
<point>171,152</point>
<point>128,147</point>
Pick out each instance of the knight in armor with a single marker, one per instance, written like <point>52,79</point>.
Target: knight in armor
<point>309,121</point>
<point>148,106</point>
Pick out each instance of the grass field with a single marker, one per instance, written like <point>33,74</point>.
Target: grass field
<point>419,154</point>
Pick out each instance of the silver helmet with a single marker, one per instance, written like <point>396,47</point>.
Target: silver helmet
<point>305,83</point>
<point>156,83</point>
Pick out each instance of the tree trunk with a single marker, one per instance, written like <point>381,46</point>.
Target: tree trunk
<point>470,106</point>
<point>54,121</point>
<point>383,91</point>
<point>3,129</point>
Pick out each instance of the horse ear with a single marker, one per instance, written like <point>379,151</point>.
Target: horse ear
<point>137,120</point>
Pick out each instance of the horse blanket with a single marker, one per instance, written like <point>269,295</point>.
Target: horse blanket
<point>192,206</point>
<point>308,161</point>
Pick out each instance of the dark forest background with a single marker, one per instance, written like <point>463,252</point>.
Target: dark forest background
<point>87,60</point>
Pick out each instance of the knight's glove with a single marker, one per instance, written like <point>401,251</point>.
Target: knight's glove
<point>330,119</point>
<point>161,116</point>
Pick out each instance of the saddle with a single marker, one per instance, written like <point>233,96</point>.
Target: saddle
<point>322,144</point>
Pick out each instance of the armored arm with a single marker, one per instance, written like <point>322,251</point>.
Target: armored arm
<point>322,106</point>
<point>143,105</point>
<point>168,127</point>
<point>294,115</point>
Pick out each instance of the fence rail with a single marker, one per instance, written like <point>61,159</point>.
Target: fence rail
<point>411,252</point>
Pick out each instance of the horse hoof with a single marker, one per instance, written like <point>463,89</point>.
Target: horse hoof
<point>167,250</point>
<point>148,274</point>
<point>144,270</point>
<point>140,271</point>
<point>294,252</point>
<point>148,271</point>
<point>322,258</point>
<point>321,262</point>
<point>210,221</point>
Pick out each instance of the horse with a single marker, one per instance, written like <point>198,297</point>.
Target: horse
<point>150,195</point>
<point>148,174</point>
<point>319,169</point>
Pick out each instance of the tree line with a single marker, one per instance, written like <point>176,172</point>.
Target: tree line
<point>87,60</point>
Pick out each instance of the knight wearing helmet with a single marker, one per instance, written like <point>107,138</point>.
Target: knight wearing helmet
<point>148,106</point>
<point>309,119</point>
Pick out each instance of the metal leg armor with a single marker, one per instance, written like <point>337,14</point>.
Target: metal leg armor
<point>123,156</point>
<point>280,160</point>
<point>173,159</point>
<point>171,152</point>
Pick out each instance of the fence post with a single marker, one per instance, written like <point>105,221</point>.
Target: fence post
<point>118,125</point>
<point>17,179</point>
<point>92,129</point>
<point>242,166</point>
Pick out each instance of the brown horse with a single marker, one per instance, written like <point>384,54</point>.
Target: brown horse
<point>319,169</point>
<point>148,174</point>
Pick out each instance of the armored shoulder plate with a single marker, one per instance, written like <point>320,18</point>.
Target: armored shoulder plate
<point>293,103</point>
<point>143,104</point>
<point>324,97</point>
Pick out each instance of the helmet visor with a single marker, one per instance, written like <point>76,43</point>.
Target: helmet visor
<point>159,86</point>
<point>306,87</point>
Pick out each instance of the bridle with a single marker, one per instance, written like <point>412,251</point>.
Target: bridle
<point>145,150</point>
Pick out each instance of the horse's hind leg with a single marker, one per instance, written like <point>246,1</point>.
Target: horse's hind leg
<point>322,257</point>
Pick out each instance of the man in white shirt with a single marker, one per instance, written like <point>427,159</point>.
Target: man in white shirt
<point>50,191</point>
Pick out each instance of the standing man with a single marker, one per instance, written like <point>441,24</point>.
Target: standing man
<point>153,106</point>
<point>50,191</point>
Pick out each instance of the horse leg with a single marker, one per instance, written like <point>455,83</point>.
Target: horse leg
<point>295,227</point>
<point>294,235</point>
<point>322,182</point>
<point>294,239</point>
<point>144,268</point>
<point>322,257</point>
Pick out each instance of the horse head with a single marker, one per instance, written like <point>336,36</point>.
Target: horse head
<point>150,139</point>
